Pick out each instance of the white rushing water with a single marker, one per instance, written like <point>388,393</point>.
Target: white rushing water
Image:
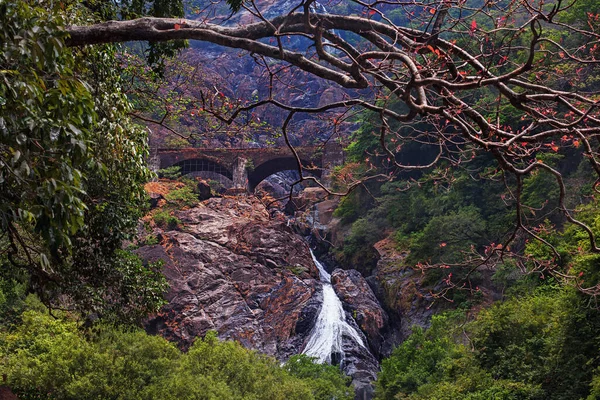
<point>316,7</point>
<point>326,336</point>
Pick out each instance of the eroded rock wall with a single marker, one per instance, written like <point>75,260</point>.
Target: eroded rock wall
<point>235,271</point>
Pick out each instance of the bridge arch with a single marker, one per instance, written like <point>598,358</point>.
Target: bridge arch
<point>272,166</point>
<point>203,165</point>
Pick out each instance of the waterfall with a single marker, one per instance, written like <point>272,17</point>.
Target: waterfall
<point>315,8</point>
<point>326,336</point>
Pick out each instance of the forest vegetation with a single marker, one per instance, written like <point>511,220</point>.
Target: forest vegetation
<point>475,150</point>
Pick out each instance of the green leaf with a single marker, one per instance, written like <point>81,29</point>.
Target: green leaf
<point>235,5</point>
<point>21,139</point>
<point>74,129</point>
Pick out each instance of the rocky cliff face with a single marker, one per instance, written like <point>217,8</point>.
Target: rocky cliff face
<point>403,292</point>
<point>241,80</point>
<point>235,271</point>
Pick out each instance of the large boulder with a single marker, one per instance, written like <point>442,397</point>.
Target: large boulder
<point>360,301</point>
<point>203,189</point>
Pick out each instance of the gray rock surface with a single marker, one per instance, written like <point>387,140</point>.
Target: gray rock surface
<point>360,301</point>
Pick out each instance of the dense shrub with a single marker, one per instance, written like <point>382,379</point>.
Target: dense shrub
<point>51,358</point>
<point>164,219</point>
<point>182,197</point>
<point>542,346</point>
<point>173,172</point>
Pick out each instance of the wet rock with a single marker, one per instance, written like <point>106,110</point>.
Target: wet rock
<point>270,188</point>
<point>361,365</point>
<point>309,314</point>
<point>313,212</point>
<point>360,301</point>
<point>324,210</point>
<point>279,185</point>
<point>296,204</point>
<point>314,194</point>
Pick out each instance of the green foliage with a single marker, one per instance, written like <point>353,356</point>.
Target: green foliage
<point>350,206</point>
<point>239,373</point>
<point>173,172</point>
<point>433,221</point>
<point>130,9</point>
<point>577,260</point>
<point>215,186</point>
<point>363,141</point>
<point>326,381</point>
<point>182,197</point>
<point>155,52</point>
<point>114,189</point>
<point>176,142</point>
<point>235,5</point>
<point>13,293</point>
<point>542,346</point>
<point>297,270</point>
<point>420,360</point>
<point>540,192</point>
<point>358,251</point>
<point>140,290</point>
<point>164,219</point>
<point>44,109</point>
<point>150,240</point>
<point>72,167</point>
<point>445,236</point>
<point>50,358</point>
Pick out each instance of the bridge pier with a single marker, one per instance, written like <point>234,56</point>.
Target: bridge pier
<point>240,174</point>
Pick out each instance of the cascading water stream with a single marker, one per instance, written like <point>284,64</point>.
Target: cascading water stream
<point>315,8</point>
<point>326,336</point>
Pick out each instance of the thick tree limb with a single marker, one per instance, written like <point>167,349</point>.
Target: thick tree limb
<point>439,82</point>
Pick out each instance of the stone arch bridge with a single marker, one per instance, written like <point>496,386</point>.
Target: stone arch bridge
<point>247,167</point>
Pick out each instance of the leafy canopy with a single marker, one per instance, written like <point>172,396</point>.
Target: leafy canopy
<point>51,358</point>
<point>71,169</point>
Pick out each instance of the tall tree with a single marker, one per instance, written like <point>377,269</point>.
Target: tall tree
<point>503,78</point>
<point>71,169</point>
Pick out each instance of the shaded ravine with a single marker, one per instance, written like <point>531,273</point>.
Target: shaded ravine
<point>325,340</point>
